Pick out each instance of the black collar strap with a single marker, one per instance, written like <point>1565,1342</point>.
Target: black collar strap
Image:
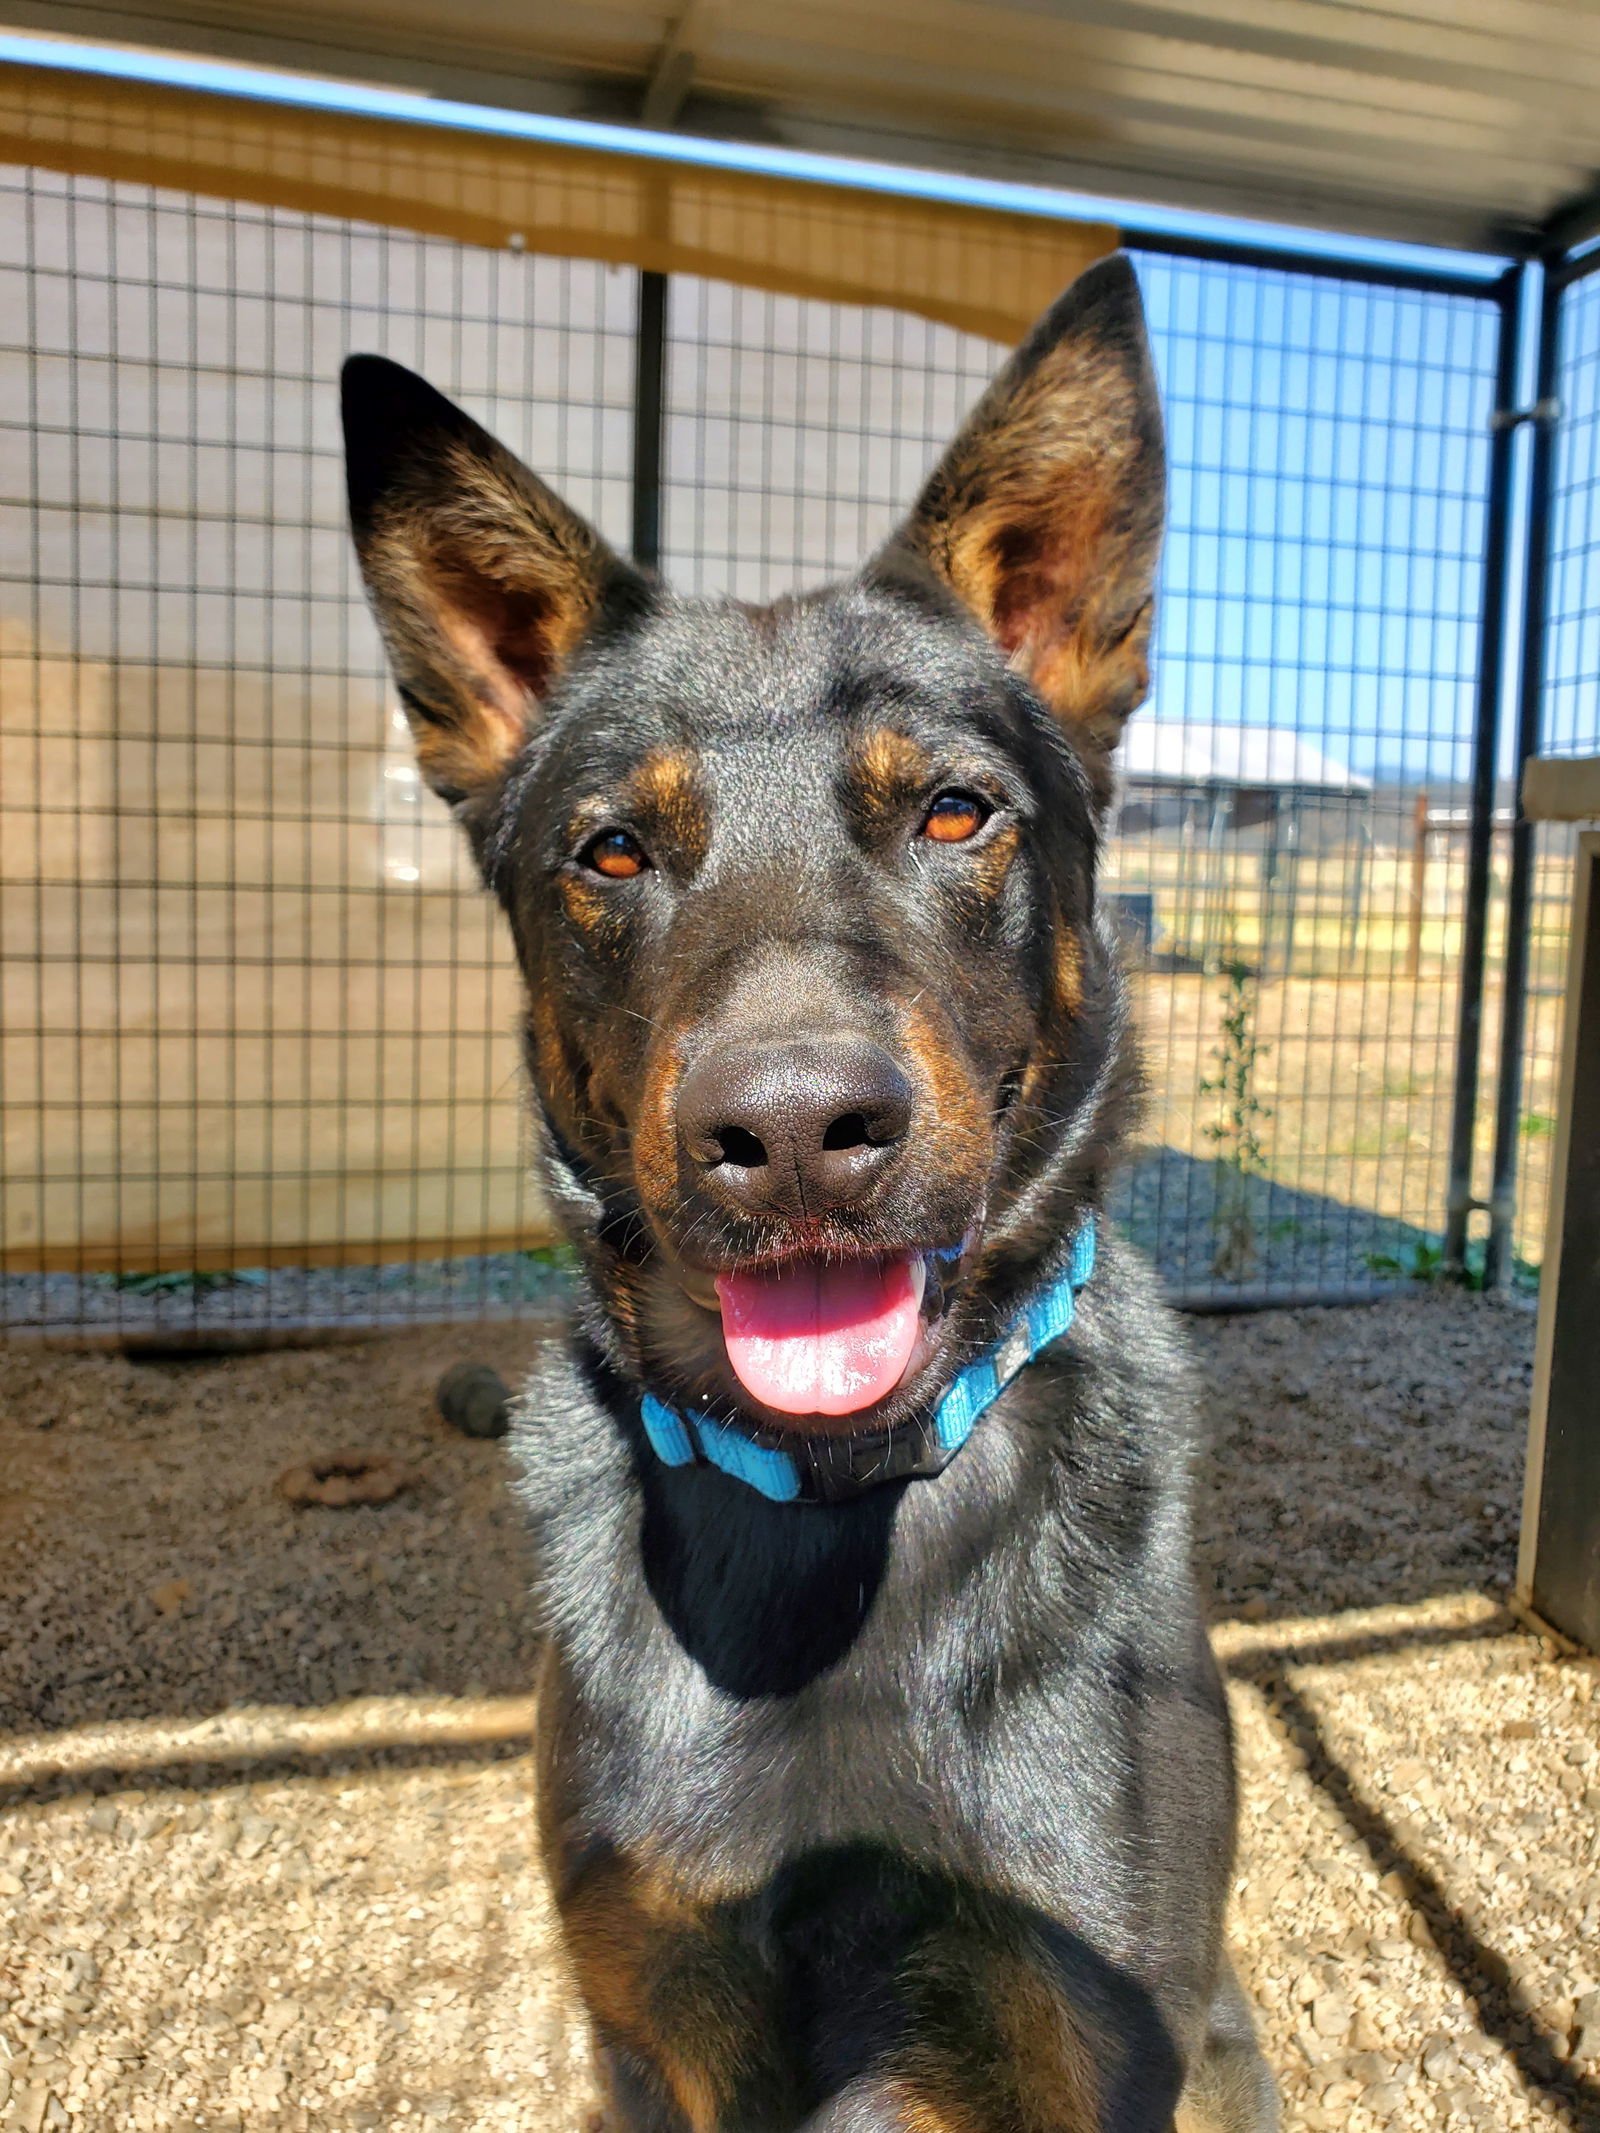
<point>790,1469</point>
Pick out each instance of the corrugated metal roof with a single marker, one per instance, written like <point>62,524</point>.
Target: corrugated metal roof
<point>1440,121</point>
<point>1157,752</point>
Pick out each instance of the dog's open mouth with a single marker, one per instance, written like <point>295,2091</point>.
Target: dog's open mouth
<point>820,1336</point>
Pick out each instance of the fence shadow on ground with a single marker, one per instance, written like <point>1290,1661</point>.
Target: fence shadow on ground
<point>1207,1229</point>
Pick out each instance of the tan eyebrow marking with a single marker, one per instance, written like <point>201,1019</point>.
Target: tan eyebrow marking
<point>887,768</point>
<point>666,791</point>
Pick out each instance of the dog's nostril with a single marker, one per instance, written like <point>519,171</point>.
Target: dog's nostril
<point>740,1147</point>
<point>849,1130</point>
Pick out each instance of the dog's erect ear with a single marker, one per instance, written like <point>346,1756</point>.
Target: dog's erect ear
<point>1044,516</point>
<point>482,581</point>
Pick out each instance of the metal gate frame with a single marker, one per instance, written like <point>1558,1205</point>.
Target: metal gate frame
<point>1561,268</point>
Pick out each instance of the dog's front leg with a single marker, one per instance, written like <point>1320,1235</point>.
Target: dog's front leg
<point>899,2103</point>
<point>634,2099</point>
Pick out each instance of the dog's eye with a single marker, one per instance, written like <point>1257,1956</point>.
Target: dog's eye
<point>955,817</point>
<point>616,855</point>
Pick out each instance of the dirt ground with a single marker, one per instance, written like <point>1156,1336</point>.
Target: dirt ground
<point>265,1848</point>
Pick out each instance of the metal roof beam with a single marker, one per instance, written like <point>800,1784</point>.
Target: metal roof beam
<point>1200,160</point>
<point>672,77</point>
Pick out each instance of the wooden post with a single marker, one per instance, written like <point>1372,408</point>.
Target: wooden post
<point>1558,1570</point>
<point>1419,881</point>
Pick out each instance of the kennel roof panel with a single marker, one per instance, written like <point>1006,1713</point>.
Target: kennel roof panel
<point>1159,752</point>
<point>984,271</point>
<point>1440,121</point>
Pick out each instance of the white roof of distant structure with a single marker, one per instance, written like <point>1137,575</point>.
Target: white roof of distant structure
<point>1167,753</point>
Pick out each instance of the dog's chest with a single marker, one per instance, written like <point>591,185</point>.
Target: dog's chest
<point>876,1754</point>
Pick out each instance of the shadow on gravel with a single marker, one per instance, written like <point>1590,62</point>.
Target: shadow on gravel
<point>158,1570</point>
<point>1483,1974</point>
<point>1361,1456</point>
<point>1177,1208</point>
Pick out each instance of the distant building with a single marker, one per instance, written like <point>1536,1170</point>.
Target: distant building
<point>1204,783</point>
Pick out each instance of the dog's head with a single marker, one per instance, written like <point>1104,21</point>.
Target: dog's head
<point>823,1032</point>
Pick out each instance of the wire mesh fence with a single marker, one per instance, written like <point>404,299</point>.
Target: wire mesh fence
<point>258,1023</point>
<point>1292,841</point>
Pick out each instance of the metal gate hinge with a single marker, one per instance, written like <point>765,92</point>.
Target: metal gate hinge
<point>1547,410</point>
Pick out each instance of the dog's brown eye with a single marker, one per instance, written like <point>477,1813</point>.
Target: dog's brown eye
<point>616,855</point>
<point>954,817</point>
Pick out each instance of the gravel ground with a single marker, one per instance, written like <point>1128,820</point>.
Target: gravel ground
<point>265,1853</point>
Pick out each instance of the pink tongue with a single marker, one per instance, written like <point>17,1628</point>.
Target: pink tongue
<point>821,1338</point>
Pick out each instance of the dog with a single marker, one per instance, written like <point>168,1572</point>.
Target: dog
<point>885,1772</point>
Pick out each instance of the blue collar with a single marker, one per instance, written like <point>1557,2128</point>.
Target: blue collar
<point>787,1469</point>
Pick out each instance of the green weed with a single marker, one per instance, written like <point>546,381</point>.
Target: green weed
<point>1236,1130</point>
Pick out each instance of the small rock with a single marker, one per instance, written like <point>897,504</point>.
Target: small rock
<point>1319,2052</point>
<point>1406,1773</point>
<point>1559,2016</point>
<point>172,1597</point>
<point>1440,2059</point>
<point>253,1837</point>
<point>103,1817</point>
<point>1586,2044</point>
<point>1330,2014</point>
<point>476,1400</point>
<point>1466,2105</point>
<point>278,2017</point>
<point>1340,2094</point>
<point>1519,1729</point>
<point>1385,2099</point>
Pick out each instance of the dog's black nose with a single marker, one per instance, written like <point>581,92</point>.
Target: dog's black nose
<point>793,1127</point>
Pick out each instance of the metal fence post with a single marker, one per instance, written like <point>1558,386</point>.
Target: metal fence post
<point>1500,1253</point>
<point>1485,749</point>
<point>649,386</point>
